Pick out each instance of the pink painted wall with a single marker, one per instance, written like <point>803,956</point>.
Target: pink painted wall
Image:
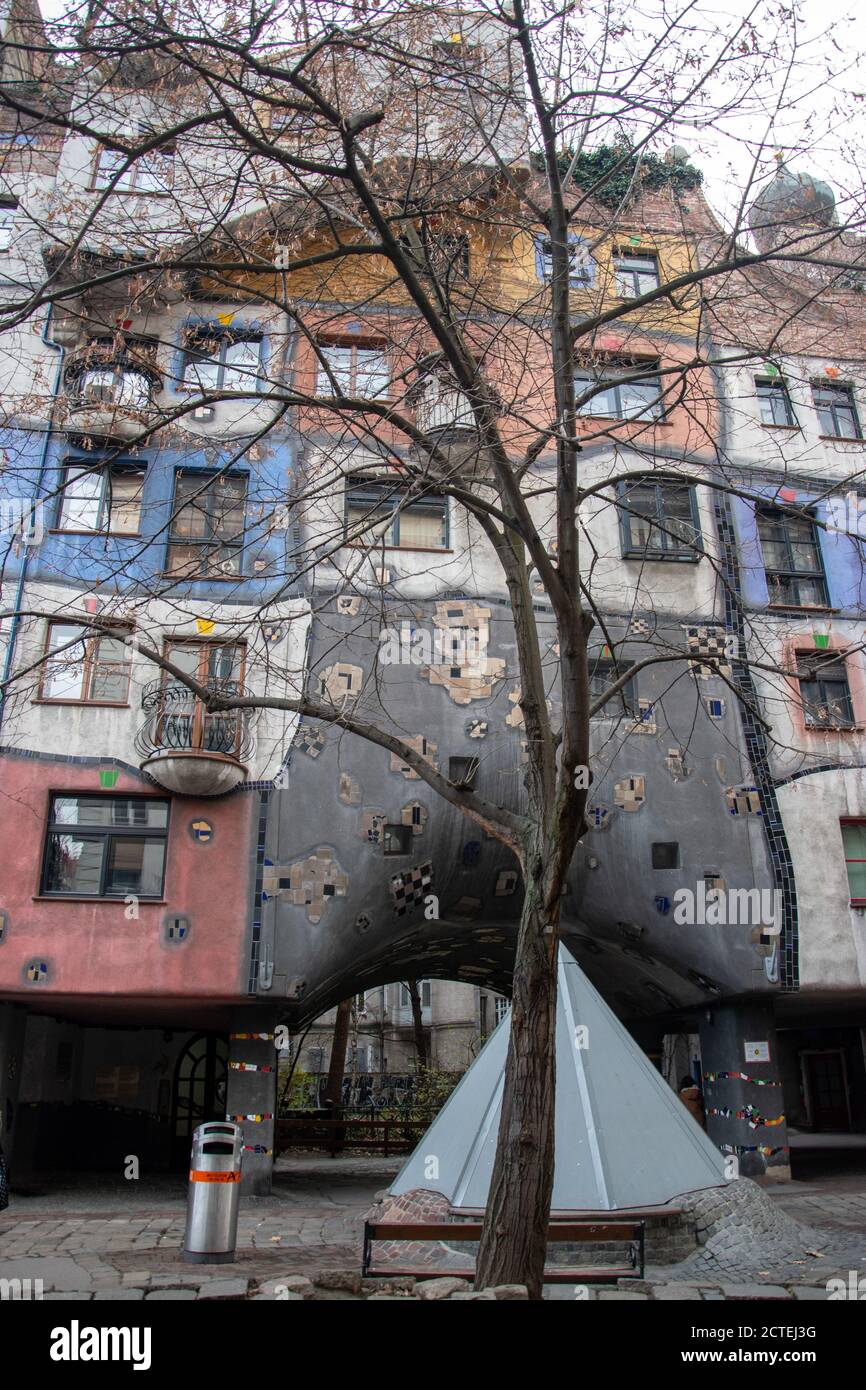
<point>89,946</point>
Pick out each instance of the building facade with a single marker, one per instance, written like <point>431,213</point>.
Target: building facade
<point>190,882</point>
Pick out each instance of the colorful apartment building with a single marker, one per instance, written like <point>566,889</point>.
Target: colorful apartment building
<point>179,885</point>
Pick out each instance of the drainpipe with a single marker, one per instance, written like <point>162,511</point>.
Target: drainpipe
<point>25,562</point>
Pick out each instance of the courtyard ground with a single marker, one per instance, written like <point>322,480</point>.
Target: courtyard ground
<point>95,1237</point>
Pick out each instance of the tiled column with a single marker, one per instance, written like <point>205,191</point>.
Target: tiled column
<point>742,1094</point>
<point>251,1097</point>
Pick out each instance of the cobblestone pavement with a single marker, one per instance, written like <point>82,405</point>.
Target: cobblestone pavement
<point>87,1237</point>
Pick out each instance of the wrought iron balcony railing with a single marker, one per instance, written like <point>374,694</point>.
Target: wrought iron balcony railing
<point>178,722</point>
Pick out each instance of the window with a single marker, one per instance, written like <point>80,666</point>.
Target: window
<point>462,771</point>
<point>824,691</point>
<point>774,401</point>
<point>619,398</point>
<point>207,527</point>
<point>581,267</point>
<point>356,370</point>
<point>90,669</point>
<point>601,677</point>
<point>792,560</point>
<point>421,524</point>
<point>217,361</point>
<point>119,379</point>
<point>500,1007</point>
<point>184,723</point>
<point>837,414</point>
<point>424,993</point>
<point>8,214</point>
<point>397,839</point>
<point>635,275</point>
<point>665,854</point>
<point>105,846</point>
<point>659,520</point>
<point>150,173</point>
<point>854,842</point>
<point>106,498</point>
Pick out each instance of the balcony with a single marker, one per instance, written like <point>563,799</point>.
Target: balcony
<point>110,399</point>
<point>440,406</point>
<point>186,748</point>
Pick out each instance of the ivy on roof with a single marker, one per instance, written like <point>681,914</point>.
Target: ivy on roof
<point>599,167</point>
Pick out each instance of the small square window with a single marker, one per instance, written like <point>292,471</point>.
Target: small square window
<point>602,676</point>
<point>635,275</point>
<point>665,854</point>
<point>397,839</point>
<point>462,771</point>
<point>824,691</point>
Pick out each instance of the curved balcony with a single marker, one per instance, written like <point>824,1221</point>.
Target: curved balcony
<point>188,749</point>
<point>110,399</point>
<point>441,407</point>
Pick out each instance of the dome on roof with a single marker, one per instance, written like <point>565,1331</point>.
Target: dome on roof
<point>790,201</point>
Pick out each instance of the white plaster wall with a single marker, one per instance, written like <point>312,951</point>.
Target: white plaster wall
<point>469,564</point>
<point>791,747</point>
<point>109,732</point>
<point>799,451</point>
<point>832,934</point>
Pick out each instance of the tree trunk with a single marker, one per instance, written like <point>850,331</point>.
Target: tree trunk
<point>337,1065</point>
<point>420,1040</point>
<point>514,1239</point>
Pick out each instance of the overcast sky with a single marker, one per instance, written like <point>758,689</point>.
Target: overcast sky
<point>821,130</point>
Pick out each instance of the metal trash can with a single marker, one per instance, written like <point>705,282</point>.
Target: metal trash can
<point>214,1194</point>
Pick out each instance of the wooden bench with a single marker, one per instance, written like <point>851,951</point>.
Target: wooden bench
<point>573,1232</point>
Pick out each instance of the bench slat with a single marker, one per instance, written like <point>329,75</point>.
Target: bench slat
<point>573,1232</point>
<point>594,1274</point>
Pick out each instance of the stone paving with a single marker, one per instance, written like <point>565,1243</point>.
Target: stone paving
<point>88,1238</point>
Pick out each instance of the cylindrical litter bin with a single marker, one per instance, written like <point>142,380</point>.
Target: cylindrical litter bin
<point>214,1194</point>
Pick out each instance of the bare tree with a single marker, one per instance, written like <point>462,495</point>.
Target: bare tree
<point>358,164</point>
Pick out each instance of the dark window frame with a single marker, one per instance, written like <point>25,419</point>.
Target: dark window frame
<point>835,392</point>
<point>107,834</point>
<point>791,576</point>
<point>395,832</point>
<point>821,691</point>
<point>621,271</point>
<point>104,472</point>
<point>211,543</point>
<point>670,552</point>
<point>773,390</point>
<point>622,705</point>
<point>614,378</point>
<point>367,491</point>
<point>225,338</point>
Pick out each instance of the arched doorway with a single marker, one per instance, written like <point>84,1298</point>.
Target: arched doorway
<point>200,1088</point>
